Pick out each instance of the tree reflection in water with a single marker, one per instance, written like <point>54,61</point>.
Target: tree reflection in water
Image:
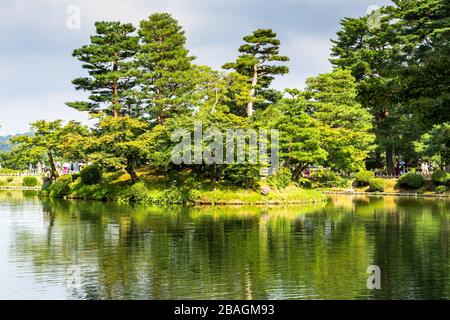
<point>110,251</point>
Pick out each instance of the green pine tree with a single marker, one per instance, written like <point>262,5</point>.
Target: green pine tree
<point>256,62</point>
<point>166,69</point>
<point>108,59</point>
<point>331,100</point>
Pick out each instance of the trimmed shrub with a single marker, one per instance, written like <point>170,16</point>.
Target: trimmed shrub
<point>139,193</point>
<point>327,178</point>
<point>9,179</point>
<point>75,176</point>
<point>362,178</point>
<point>376,185</point>
<point>91,175</point>
<point>440,177</point>
<point>410,180</point>
<point>2,182</point>
<point>441,189</point>
<point>67,178</point>
<point>281,178</point>
<point>30,182</point>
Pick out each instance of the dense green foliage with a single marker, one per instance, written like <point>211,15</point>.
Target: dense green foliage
<point>281,179</point>
<point>401,68</point>
<point>329,179</point>
<point>440,177</point>
<point>441,189</point>
<point>435,145</point>
<point>58,189</point>
<point>384,103</point>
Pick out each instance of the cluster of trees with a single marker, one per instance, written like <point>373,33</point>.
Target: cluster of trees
<point>401,66</point>
<point>144,85</point>
<point>386,100</point>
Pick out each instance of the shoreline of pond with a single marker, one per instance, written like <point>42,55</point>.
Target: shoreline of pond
<point>388,194</point>
<point>271,202</point>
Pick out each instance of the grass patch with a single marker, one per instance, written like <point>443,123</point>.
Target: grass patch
<point>290,194</point>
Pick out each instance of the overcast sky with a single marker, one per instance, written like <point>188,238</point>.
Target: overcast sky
<point>36,66</point>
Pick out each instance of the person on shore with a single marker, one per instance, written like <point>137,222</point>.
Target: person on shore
<point>425,169</point>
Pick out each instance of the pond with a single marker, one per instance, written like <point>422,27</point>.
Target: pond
<point>93,250</point>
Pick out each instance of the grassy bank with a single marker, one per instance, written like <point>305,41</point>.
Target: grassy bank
<point>392,187</point>
<point>181,189</point>
<point>18,181</point>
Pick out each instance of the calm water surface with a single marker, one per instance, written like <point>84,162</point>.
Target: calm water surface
<point>92,250</point>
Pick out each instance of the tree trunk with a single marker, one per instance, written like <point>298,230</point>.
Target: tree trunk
<point>252,91</point>
<point>130,170</point>
<point>390,166</point>
<point>115,94</point>
<point>116,101</point>
<point>160,108</point>
<point>378,159</point>
<point>54,173</point>
<point>160,119</point>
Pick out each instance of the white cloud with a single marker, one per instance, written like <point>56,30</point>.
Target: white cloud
<point>19,113</point>
<point>35,44</point>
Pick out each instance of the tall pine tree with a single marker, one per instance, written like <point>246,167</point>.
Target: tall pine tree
<point>346,125</point>
<point>165,65</point>
<point>256,62</point>
<point>371,56</point>
<point>108,59</point>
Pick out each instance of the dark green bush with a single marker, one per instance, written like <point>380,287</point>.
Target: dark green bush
<point>30,182</point>
<point>441,189</point>
<point>440,177</point>
<point>242,175</point>
<point>9,179</point>
<point>281,178</point>
<point>91,175</point>
<point>75,176</point>
<point>362,178</point>
<point>305,183</point>
<point>410,180</point>
<point>376,185</point>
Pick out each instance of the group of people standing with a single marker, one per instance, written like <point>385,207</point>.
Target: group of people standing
<point>61,167</point>
<point>68,168</point>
